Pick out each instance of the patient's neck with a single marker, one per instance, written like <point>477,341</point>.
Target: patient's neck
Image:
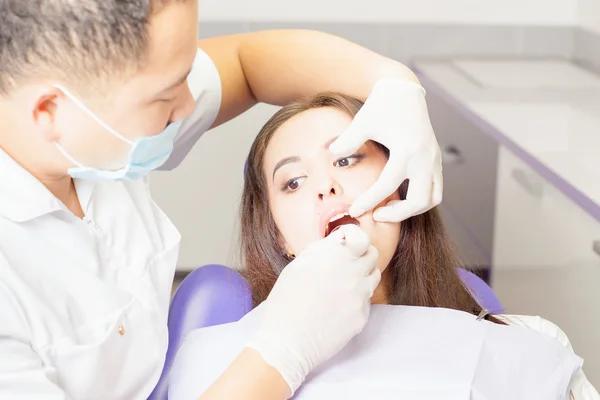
<point>380,296</point>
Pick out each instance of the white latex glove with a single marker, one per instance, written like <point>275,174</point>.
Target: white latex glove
<point>395,115</point>
<point>320,302</point>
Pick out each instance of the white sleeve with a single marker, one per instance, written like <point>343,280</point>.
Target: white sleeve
<point>23,375</point>
<point>581,388</point>
<point>205,84</point>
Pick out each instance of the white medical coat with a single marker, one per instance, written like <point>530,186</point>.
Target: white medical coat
<point>84,303</point>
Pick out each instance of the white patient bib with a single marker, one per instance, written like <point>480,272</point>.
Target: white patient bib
<point>409,353</point>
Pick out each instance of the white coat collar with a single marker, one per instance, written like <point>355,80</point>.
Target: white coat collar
<point>24,198</point>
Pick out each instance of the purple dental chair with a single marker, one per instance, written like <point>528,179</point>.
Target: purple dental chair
<point>215,294</point>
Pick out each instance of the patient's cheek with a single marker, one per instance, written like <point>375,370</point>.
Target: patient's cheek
<point>394,196</point>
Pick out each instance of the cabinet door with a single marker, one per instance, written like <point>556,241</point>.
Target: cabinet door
<point>535,224</point>
<point>544,262</point>
<point>469,159</point>
<point>467,247</point>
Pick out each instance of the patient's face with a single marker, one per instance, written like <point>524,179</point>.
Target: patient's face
<point>307,185</point>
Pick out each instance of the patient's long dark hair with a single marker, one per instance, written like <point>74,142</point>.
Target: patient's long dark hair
<point>423,270</point>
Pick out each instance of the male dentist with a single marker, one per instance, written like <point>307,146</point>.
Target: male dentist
<point>95,94</point>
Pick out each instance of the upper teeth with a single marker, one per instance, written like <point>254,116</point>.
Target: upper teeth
<point>335,218</point>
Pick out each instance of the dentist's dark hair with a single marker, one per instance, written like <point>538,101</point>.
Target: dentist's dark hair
<point>423,270</point>
<point>78,40</point>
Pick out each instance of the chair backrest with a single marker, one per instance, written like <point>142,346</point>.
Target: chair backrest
<point>208,296</point>
<point>215,294</point>
<point>480,290</point>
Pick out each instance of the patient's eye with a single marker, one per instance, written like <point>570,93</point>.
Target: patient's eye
<point>292,185</point>
<point>343,162</point>
<point>349,161</point>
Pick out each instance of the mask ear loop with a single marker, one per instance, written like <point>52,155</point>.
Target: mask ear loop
<point>69,157</point>
<point>92,115</point>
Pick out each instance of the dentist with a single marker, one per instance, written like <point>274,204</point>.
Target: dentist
<point>94,94</point>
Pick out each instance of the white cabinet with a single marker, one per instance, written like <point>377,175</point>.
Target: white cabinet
<point>527,74</point>
<point>470,159</point>
<point>544,262</point>
<point>544,248</point>
<point>468,249</point>
<point>536,225</point>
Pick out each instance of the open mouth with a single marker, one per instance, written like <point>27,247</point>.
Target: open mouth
<point>339,220</point>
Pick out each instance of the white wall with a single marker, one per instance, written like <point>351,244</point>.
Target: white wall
<point>202,195</point>
<point>540,12</point>
<point>589,14</point>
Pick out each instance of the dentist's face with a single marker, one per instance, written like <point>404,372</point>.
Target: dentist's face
<point>308,187</point>
<point>152,96</point>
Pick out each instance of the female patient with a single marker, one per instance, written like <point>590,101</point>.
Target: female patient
<point>295,193</point>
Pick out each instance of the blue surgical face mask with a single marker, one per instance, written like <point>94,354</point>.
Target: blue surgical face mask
<point>146,154</point>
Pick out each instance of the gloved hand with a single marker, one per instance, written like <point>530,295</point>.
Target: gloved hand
<point>395,115</point>
<point>320,302</point>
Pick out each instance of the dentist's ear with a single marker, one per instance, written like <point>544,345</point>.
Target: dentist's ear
<point>43,111</point>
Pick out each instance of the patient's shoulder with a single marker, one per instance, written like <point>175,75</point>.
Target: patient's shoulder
<point>580,387</point>
<point>539,324</point>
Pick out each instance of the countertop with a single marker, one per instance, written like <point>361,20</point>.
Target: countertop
<point>545,111</point>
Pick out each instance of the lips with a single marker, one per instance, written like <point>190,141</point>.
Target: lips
<point>334,218</point>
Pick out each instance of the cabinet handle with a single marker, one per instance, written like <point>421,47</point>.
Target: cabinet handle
<point>535,188</point>
<point>596,246</point>
<point>452,155</point>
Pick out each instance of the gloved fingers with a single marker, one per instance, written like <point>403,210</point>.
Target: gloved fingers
<point>337,236</point>
<point>418,201</point>
<point>373,280</point>
<point>366,263</point>
<point>438,188</point>
<point>357,241</point>
<point>392,176</point>
<point>351,139</point>
<point>336,239</point>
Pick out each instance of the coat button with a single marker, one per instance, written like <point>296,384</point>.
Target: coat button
<point>121,330</point>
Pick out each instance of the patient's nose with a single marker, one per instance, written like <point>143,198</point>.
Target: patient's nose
<point>329,187</point>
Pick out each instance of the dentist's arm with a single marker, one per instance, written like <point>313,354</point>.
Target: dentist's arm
<point>249,378</point>
<point>277,67</point>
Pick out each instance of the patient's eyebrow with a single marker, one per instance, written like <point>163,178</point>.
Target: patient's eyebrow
<point>285,161</point>
<point>328,143</point>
